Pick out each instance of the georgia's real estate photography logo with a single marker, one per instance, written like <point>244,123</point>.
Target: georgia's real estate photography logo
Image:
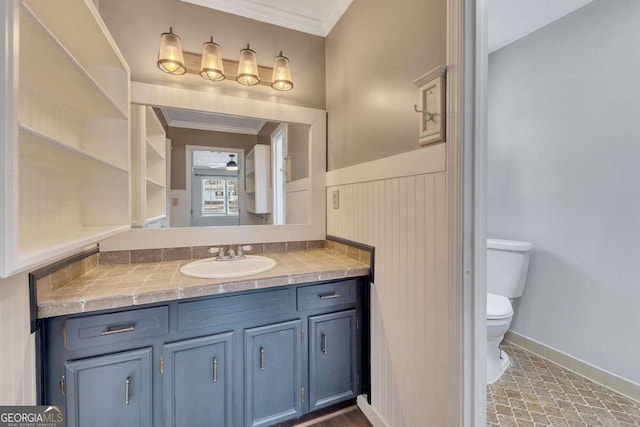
<point>31,416</point>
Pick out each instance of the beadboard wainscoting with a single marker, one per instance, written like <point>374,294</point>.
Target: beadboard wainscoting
<point>17,352</point>
<point>402,212</point>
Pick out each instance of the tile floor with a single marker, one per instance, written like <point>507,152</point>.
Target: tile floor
<point>535,392</point>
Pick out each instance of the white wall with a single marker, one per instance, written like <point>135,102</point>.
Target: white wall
<point>17,351</point>
<point>402,212</point>
<point>564,154</point>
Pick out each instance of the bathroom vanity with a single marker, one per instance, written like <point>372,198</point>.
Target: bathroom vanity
<point>262,357</point>
<point>255,357</point>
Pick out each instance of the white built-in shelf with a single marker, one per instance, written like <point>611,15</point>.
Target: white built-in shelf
<point>38,141</point>
<point>65,122</point>
<point>153,150</point>
<point>47,61</point>
<point>149,167</point>
<point>157,184</point>
<point>36,248</point>
<point>77,26</point>
<point>257,166</point>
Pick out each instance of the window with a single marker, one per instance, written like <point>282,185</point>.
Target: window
<point>219,196</point>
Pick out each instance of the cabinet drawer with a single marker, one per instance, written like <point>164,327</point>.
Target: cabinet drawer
<point>102,329</point>
<point>223,310</point>
<point>328,295</point>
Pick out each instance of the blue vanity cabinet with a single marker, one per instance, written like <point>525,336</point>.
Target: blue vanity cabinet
<point>273,357</point>
<point>197,379</point>
<point>254,358</point>
<point>332,358</point>
<point>109,391</point>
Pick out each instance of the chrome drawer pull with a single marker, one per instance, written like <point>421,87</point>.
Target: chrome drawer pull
<point>215,369</point>
<point>110,331</point>
<point>127,390</point>
<point>261,358</point>
<point>329,296</point>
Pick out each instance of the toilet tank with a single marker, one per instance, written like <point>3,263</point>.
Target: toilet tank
<point>507,266</point>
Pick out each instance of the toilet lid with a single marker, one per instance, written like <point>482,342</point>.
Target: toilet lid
<point>498,307</point>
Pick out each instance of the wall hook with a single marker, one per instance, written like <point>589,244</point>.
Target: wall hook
<point>428,115</point>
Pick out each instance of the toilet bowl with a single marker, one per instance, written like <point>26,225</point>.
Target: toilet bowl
<point>499,316</point>
<point>507,266</point>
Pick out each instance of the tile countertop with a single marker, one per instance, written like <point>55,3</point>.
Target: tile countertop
<point>125,285</point>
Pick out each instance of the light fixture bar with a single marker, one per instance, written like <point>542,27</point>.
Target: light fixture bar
<point>192,64</point>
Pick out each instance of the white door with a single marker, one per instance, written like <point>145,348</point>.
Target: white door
<point>214,200</point>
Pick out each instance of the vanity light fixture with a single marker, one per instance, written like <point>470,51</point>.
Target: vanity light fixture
<point>170,57</point>
<point>281,79</point>
<point>231,164</point>
<point>248,68</point>
<point>210,65</point>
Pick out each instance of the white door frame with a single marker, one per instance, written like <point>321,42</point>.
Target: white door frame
<point>189,149</point>
<point>467,57</point>
<point>282,128</point>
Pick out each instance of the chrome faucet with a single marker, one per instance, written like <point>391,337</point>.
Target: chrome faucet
<point>231,254</point>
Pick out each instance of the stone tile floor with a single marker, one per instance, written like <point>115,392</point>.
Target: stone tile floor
<point>535,392</point>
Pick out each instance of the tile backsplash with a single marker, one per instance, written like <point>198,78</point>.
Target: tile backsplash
<point>198,252</point>
<point>57,279</point>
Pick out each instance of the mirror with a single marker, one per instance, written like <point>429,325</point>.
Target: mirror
<point>229,170</point>
<point>202,100</point>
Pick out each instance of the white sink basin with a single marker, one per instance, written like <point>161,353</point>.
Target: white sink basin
<point>210,268</point>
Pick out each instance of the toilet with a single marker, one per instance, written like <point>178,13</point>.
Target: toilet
<point>507,265</point>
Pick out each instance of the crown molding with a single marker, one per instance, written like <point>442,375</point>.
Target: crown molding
<point>334,15</point>
<point>185,124</point>
<point>279,17</point>
<point>215,128</point>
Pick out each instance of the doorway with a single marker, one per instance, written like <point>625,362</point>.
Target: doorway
<point>214,190</point>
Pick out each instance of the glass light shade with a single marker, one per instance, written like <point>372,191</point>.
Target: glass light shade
<point>211,67</point>
<point>281,79</point>
<point>170,58</point>
<point>248,68</point>
<point>231,164</point>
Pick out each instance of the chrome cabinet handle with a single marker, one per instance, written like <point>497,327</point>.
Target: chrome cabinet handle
<point>215,369</point>
<point>261,358</point>
<point>325,341</point>
<point>127,390</point>
<point>109,331</point>
<point>329,296</point>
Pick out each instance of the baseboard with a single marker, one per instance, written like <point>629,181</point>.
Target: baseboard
<point>370,413</point>
<point>573,364</point>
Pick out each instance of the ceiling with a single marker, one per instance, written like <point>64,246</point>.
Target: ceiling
<point>510,20</point>
<point>212,159</point>
<point>191,119</point>
<point>316,17</point>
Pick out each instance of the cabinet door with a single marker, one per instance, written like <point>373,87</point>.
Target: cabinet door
<point>273,373</point>
<point>332,358</point>
<point>197,382</point>
<point>109,391</point>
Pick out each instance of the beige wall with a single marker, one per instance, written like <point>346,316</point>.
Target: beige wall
<point>181,137</point>
<point>136,26</point>
<point>264,136</point>
<point>373,55</point>
<point>298,150</point>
